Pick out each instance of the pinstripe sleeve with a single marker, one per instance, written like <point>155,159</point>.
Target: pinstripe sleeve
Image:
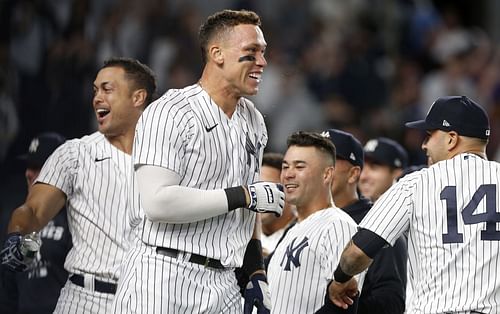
<point>60,168</point>
<point>158,140</point>
<point>337,236</point>
<point>390,215</point>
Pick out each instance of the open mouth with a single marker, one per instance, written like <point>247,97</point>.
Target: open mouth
<point>101,112</point>
<point>256,76</point>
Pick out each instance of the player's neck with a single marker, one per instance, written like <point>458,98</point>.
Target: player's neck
<point>470,149</point>
<point>345,198</point>
<point>122,142</point>
<point>306,210</point>
<point>223,96</point>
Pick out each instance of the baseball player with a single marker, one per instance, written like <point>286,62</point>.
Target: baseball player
<point>449,212</point>
<point>197,152</point>
<point>385,160</point>
<point>37,289</point>
<point>304,261</point>
<point>385,281</point>
<point>91,176</point>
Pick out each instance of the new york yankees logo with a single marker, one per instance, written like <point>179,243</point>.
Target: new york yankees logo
<point>252,151</point>
<point>292,253</point>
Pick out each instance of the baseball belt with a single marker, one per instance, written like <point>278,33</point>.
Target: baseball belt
<point>194,258</point>
<point>99,286</point>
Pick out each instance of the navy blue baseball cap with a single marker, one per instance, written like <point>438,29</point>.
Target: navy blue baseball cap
<point>455,113</point>
<point>385,151</point>
<point>41,147</point>
<point>347,146</point>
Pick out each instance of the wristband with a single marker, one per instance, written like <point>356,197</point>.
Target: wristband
<point>253,260</point>
<point>340,276</point>
<point>236,197</point>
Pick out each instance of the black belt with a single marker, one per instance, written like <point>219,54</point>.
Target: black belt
<point>99,286</point>
<point>195,258</point>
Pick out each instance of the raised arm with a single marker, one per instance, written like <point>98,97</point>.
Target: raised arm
<point>42,204</point>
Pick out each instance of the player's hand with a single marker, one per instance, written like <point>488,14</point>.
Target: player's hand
<point>342,294</point>
<point>266,197</point>
<point>257,294</point>
<point>11,255</point>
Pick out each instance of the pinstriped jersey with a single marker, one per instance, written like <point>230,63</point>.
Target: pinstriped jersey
<point>186,132</point>
<point>304,261</point>
<point>95,176</point>
<point>450,213</point>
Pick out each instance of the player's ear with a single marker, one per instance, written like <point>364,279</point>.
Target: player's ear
<point>215,53</point>
<point>452,140</point>
<point>354,174</point>
<point>139,97</point>
<point>328,175</point>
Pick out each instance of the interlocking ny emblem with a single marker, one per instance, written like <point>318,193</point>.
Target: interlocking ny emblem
<point>292,253</point>
<point>252,151</point>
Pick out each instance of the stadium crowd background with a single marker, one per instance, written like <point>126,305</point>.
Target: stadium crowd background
<point>365,66</point>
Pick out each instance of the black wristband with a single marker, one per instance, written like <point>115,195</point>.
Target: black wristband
<point>253,259</point>
<point>340,276</point>
<point>236,197</point>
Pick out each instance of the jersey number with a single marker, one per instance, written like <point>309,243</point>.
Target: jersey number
<point>491,217</point>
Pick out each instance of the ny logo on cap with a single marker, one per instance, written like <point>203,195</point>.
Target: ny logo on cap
<point>34,146</point>
<point>371,145</point>
<point>325,134</point>
<point>352,156</point>
<point>446,123</point>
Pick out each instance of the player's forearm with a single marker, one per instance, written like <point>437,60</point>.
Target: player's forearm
<point>24,220</point>
<point>178,204</point>
<point>354,260</point>
<point>42,204</point>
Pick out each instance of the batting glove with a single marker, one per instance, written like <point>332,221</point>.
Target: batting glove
<point>257,294</point>
<point>266,197</point>
<point>11,255</point>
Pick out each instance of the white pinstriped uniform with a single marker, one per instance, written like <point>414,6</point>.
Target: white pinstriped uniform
<point>454,254</point>
<point>304,261</point>
<point>95,176</point>
<point>177,132</point>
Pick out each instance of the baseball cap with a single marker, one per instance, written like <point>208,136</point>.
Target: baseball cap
<point>41,147</point>
<point>347,146</point>
<point>385,151</point>
<point>455,113</point>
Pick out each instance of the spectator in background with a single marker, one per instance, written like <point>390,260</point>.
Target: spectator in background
<point>37,289</point>
<point>385,160</point>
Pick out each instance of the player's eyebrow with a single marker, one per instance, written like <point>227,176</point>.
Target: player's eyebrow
<point>254,46</point>
<point>102,84</point>
<point>294,162</point>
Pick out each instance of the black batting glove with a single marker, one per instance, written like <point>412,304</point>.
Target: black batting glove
<point>257,294</point>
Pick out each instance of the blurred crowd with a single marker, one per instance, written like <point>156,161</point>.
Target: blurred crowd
<point>365,66</point>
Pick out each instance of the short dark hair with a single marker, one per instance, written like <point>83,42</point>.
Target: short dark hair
<point>140,74</point>
<point>307,139</point>
<point>273,160</point>
<point>221,22</point>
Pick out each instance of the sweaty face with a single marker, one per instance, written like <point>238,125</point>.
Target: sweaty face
<point>243,50</point>
<point>434,146</point>
<point>375,179</point>
<point>303,175</point>
<point>113,102</point>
